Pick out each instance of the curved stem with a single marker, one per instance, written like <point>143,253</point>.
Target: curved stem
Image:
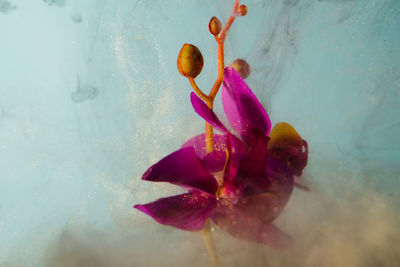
<point>220,40</point>
<point>197,90</point>
<point>221,65</point>
<point>230,21</point>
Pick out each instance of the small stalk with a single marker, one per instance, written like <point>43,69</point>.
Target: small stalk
<point>208,241</point>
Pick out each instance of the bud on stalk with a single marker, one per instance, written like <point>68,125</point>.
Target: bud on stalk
<point>215,26</point>
<point>190,61</point>
<point>243,10</point>
<point>242,67</point>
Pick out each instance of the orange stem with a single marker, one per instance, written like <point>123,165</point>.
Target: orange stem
<point>209,99</point>
<point>221,65</point>
<point>209,129</point>
<point>236,6</point>
<point>198,91</point>
<point>209,132</point>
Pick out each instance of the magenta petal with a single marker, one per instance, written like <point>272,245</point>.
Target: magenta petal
<point>264,207</point>
<point>232,165</point>
<point>183,168</point>
<point>206,113</point>
<point>250,229</point>
<point>187,211</point>
<point>258,173</point>
<point>252,175</point>
<point>281,179</point>
<point>266,183</point>
<point>216,160</point>
<point>198,142</point>
<point>265,197</point>
<point>242,107</point>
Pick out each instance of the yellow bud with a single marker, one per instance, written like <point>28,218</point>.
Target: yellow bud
<point>283,134</point>
<point>243,10</point>
<point>286,144</point>
<point>215,26</point>
<point>242,67</point>
<point>190,61</point>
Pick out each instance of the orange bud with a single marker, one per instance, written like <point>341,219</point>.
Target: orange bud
<point>242,67</point>
<point>190,61</point>
<point>215,26</point>
<point>243,10</point>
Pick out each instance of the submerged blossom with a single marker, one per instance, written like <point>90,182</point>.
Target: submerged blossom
<point>244,184</point>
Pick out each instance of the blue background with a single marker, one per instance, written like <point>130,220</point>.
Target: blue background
<point>90,97</point>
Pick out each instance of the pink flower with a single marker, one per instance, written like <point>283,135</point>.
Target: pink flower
<point>244,184</point>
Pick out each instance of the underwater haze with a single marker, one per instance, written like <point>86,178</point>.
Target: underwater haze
<point>91,97</point>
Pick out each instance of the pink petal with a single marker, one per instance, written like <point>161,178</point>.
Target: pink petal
<point>206,113</point>
<point>241,106</point>
<point>187,211</point>
<point>248,228</point>
<point>216,160</point>
<point>183,168</point>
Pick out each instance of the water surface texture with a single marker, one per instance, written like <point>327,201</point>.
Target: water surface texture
<point>91,96</point>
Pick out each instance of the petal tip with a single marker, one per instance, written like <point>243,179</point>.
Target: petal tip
<point>142,208</point>
<point>147,173</point>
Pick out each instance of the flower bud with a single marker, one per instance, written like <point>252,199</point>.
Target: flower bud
<point>242,67</point>
<point>243,10</point>
<point>284,134</point>
<point>286,144</point>
<point>190,61</point>
<point>215,26</point>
